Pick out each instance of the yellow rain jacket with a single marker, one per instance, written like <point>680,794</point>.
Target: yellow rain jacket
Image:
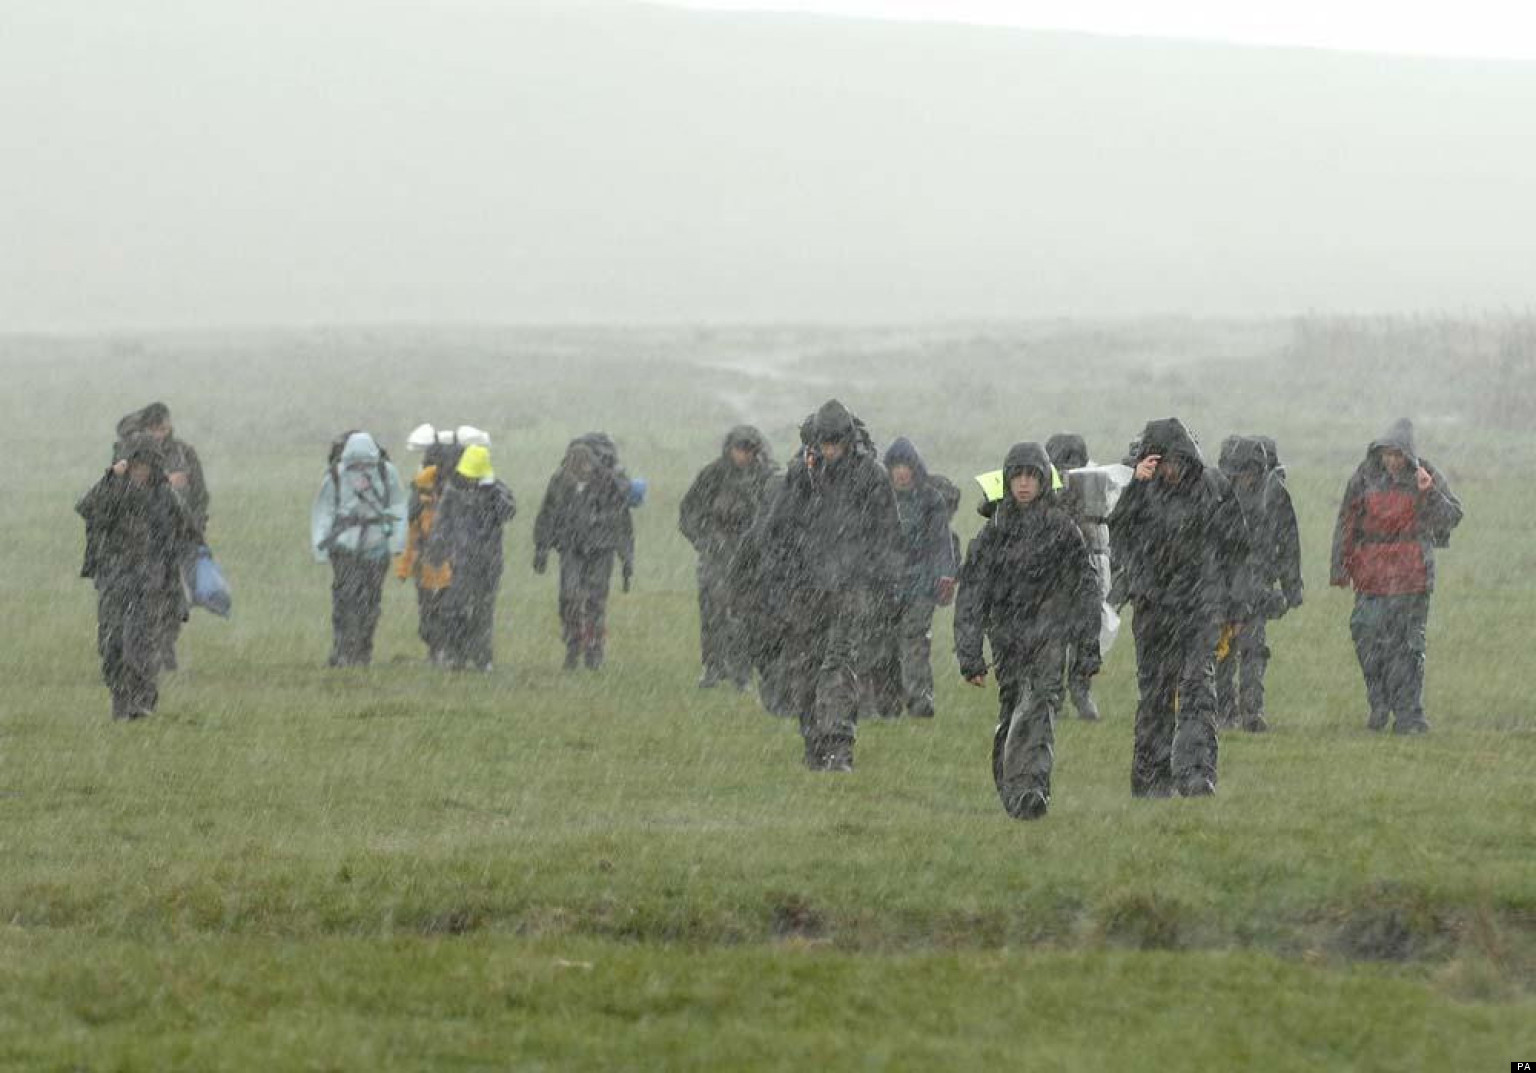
<point>410,563</point>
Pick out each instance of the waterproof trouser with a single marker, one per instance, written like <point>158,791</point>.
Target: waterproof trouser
<point>722,628</point>
<point>432,624</point>
<point>902,677</point>
<point>826,652</point>
<point>357,593</point>
<point>1240,677</point>
<point>130,627</point>
<point>1175,747</point>
<point>1029,697</point>
<point>585,578</point>
<point>469,623</point>
<point>1388,632</point>
<point>1080,685</point>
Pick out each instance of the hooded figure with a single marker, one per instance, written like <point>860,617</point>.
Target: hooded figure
<point>585,517</point>
<point>1273,574</point>
<point>716,515</point>
<point>357,524</point>
<point>1028,588</point>
<point>184,473</point>
<point>140,533</point>
<point>1069,451</point>
<point>903,678</point>
<point>467,539</point>
<point>1180,548</point>
<point>1397,509</point>
<point>432,579</point>
<point>834,536</point>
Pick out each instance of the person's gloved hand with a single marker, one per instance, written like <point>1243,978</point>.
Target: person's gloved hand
<point>540,561</point>
<point>944,591</point>
<point>1275,605</point>
<point>1293,597</point>
<point>628,576</point>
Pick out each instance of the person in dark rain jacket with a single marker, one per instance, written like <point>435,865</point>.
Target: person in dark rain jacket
<point>903,678</point>
<point>1273,574</point>
<point>1397,509</point>
<point>837,518</point>
<point>1069,451</point>
<point>467,538</point>
<point>716,516</point>
<point>184,473</point>
<point>585,517</point>
<point>1029,588</point>
<point>1180,547</point>
<point>140,531</point>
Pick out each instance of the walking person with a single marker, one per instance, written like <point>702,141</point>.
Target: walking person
<point>467,539</point>
<point>1397,509</point>
<point>357,524</point>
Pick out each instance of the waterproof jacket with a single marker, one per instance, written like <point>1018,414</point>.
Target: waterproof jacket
<point>421,517</point>
<point>179,457</point>
<point>361,507</point>
<point>928,547</point>
<point>720,506</point>
<point>139,536</point>
<point>467,535</point>
<point>1027,577</point>
<point>1387,530</point>
<point>586,517</point>
<point>840,517</point>
<point>1182,547</point>
<point>1274,549</point>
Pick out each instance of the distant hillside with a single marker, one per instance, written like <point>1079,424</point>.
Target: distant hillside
<point>177,164</point>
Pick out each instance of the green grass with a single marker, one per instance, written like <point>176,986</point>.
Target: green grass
<point>295,868</point>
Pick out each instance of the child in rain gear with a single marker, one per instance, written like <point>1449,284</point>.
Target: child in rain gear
<point>1273,580</point>
<point>1397,509</point>
<point>1028,587</point>
<point>716,516</point>
<point>1180,548</point>
<point>432,579</point>
<point>140,533</point>
<point>467,539</point>
<point>357,524</point>
<point>585,518</point>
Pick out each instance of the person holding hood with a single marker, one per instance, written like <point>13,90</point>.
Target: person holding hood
<point>357,524</point>
<point>432,579</point>
<point>1180,548</point>
<point>585,517</point>
<point>716,515</point>
<point>139,531</point>
<point>1029,588</point>
<point>1273,574</point>
<point>184,473</point>
<point>903,679</point>
<point>1397,509</point>
<point>466,539</point>
<point>838,513</point>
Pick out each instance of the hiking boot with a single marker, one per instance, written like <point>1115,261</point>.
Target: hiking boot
<point>1378,721</point>
<point>1256,723</point>
<point>838,757</point>
<point>572,658</point>
<point>120,706</point>
<point>1197,786</point>
<point>1418,726</point>
<point>1029,805</point>
<point>709,680</point>
<point>923,709</point>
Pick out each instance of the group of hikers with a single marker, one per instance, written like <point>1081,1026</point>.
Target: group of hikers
<point>820,580</point>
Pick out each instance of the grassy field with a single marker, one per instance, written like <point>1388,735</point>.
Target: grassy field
<point>296,868</point>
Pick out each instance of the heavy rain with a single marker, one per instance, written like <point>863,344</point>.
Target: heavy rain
<point>593,534</point>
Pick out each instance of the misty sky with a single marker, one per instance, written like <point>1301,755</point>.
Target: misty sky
<point>267,162</point>
<point>1487,28</point>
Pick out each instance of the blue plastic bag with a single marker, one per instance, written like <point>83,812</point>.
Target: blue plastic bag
<point>210,589</point>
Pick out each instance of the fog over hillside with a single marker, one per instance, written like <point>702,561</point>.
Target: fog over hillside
<point>235,162</point>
